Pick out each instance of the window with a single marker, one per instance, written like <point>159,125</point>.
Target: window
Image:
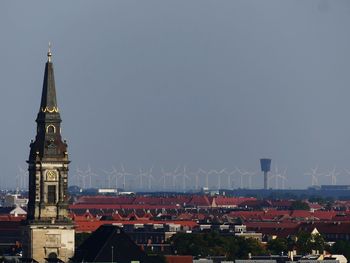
<point>51,194</point>
<point>51,129</point>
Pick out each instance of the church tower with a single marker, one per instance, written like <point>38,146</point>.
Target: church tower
<point>48,232</point>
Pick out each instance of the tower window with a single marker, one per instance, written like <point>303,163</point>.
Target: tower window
<point>51,194</point>
<point>51,129</point>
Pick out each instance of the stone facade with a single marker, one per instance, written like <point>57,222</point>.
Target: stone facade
<point>49,241</point>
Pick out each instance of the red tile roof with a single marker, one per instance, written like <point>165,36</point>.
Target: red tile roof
<point>115,207</point>
<point>179,259</point>
<point>327,227</point>
<point>98,199</point>
<point>199,201</point>
<point>89,226</point>
<point>231,201</point>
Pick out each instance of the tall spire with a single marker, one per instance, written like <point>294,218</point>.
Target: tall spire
<point>48,97</point>
<point>48,140</point>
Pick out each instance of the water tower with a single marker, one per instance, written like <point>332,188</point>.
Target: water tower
<point>265,168</point>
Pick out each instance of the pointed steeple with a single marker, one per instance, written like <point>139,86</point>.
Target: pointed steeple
<point>48,96</point>
<point>48,141</point>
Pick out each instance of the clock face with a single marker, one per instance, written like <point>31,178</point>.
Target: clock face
<point>51,175</point>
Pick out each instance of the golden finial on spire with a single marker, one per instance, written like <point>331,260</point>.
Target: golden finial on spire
<point>49,54</point>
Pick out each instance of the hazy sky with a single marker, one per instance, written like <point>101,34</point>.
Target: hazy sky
<point>206,84</point>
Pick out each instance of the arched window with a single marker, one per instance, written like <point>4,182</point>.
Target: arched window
<point>51,129</point>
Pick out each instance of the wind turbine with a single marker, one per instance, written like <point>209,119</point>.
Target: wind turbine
<point>141,175</point>
<point>184,178</point>
<point>150,178</point>
<point>283,177</point>
<point>122,174</point>
<point>241,174</point>
<point>219,174</point>
<point>272,176</point>
<point>277,175</point>
<point>81,177</point>
<point>21,177</point>
<point>314,176</point>
<point>230,175</point>
<point>75,178</point>
<point>347,171</point>
<point>250,175</point>
<point>207,180</point>
<point>174,175</point>
<point>90,174</point>
<point>196,175</point>
<point>113,174</point>
<point>164,176</point>
<point>333,175</point>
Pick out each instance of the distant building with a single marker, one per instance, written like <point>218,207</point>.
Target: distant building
<point>107,191</point>
<point>335,187</point>
<point>13,211</point>
<point>13,200</point>
<point>241,231</point>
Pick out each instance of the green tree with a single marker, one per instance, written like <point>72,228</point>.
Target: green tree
<point>341,247</point>
<point>278,246</point>
<point>299,205</point>
<point>189,244</point>
<point>243,247</point>
<point>214,244</point>
<point>307,242</point>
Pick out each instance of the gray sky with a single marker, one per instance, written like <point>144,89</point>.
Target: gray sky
<point>210,84</point>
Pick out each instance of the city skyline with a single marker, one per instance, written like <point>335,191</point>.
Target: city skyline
<point>208,86</point>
